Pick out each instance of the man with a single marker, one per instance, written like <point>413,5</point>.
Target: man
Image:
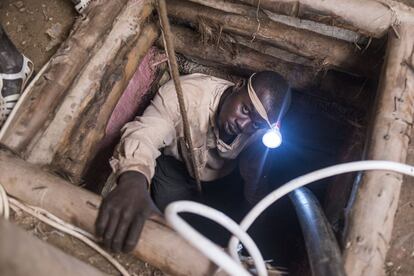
<point>224,119</point>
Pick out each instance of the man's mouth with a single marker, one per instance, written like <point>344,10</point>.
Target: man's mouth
<point>231,129</point>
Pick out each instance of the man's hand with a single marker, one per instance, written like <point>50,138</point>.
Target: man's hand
<point>123,212</point>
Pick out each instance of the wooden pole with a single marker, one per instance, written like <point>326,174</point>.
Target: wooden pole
<point>368,17</point>
<point>240,58</point>
<point>39,103</point>
<point>242,9</point>
<point>22,255</point>
<point>326,51</point>
<point>372,216</point>
<point>158,245</point>
<point>70,138</point>
<point>78,146</point>
<point>172,63</point>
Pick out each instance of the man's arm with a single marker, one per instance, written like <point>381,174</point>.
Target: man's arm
<point>254,169</point>
<point>123,212</point>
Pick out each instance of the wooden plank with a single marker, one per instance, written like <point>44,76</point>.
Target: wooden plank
<point>22,254</point>
<point>372,215</point>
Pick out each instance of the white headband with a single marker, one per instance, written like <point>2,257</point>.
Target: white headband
<point>260,108</point>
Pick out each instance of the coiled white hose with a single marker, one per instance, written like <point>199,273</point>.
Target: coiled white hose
<point>234,267</point>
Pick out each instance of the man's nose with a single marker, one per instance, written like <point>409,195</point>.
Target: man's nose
<point>244,125</point>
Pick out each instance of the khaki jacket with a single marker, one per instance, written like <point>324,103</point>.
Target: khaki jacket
<point>160,130</point>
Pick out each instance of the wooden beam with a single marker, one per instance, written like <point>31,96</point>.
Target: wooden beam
<point>22,254</point>
<point>240,58</point>
<point>39,103</point>
<point>80,144</point>
<point>368,17</point>
<point>158,245</point>
<point>372,215</point>
<point>328,52</point>
<point>241,9</point>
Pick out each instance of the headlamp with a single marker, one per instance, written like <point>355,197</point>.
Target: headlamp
<point>272,138</point>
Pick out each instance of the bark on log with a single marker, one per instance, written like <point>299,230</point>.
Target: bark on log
<point>371,217</point>
<point>103,78</point>
<point>240,58</point>
<point>158,245</point>
<point>326,51</point>
<point>69,142</point>
<point>22,254</point>
<point>317,27</point>
<point>369,17</point>
<point>38,106</point>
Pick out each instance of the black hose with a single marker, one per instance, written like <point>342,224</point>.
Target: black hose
<point>321,246</point>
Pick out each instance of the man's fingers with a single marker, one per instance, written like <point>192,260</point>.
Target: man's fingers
<point>110,229</point>
<point>121,232</point>
<point>134,233</point>
<point>102,221</point>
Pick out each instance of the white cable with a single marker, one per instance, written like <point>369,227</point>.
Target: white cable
<point>309,178</point>
<point>69,229</point>
<point>214,252</point>
<point>59,224</point>
<point>218,256</point>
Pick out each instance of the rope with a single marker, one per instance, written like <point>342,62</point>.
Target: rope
<point>58,224</point>
<point>172,63</point>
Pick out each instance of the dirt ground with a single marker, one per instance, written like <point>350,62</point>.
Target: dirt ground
<point>37,28</point>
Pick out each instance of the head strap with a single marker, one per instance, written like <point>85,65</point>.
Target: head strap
<point>256,101</point>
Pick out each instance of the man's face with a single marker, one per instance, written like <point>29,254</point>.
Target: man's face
<point>237,115</point>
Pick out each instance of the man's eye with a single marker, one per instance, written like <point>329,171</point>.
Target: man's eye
<point>245,110</point>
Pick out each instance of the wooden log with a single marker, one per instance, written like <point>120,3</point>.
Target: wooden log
<point>270,50</point>
<point>240,58</point>
<point>158,245</point>
<point>317,27</point>
<point>39,103</point>
<point>326,51</point>
<point>368,17</point>
<point>22,254</point>
<point>372,215</point>
<point>79,123</point>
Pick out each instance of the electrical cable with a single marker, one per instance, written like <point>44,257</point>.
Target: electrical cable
<point>239,231</point>
<point>215,252</point>
<point>58,224</point>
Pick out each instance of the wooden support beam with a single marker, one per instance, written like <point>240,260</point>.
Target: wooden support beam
<point>39,103</point>
<point>240,58</point>
<point>158,245</point>
<point>368,17</point>
<point>22,255</point>
<point>241,9</point>
<point>68,139</point>
<point>326,51</point>
<point>78,147</point>
<point>372,215</point>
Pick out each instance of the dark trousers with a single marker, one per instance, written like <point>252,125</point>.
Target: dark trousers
<point>172,182</point>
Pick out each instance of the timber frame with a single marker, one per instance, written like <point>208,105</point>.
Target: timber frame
<point>66,108</point>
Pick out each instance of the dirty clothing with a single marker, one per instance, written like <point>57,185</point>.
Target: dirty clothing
<point>160,131</point>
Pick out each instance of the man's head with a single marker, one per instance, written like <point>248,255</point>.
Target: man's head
<point>237,113</point>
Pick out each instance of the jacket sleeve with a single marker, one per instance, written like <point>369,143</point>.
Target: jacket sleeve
<point>143,138</point>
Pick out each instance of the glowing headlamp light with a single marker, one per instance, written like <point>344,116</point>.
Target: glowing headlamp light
<point>272,138</point>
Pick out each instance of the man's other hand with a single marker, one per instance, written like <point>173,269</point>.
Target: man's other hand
<point>123,212</point>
